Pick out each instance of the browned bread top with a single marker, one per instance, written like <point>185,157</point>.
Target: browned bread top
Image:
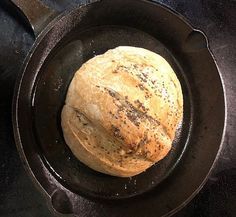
<point>122,110</point>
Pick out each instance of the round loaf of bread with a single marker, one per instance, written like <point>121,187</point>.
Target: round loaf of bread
<point>122,110</point>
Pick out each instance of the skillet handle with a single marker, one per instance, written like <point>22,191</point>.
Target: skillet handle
<point>38,14</point>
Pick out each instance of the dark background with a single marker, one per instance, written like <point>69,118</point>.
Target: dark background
<point>217,18</point>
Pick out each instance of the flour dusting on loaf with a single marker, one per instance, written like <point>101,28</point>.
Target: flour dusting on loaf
<point>122,110</point>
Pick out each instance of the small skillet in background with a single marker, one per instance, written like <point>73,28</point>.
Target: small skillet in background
<point>64,41</point>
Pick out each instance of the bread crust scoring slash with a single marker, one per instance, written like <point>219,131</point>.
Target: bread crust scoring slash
<point>122,110</point>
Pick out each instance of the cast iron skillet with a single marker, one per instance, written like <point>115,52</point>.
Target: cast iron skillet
<point>62,45</point>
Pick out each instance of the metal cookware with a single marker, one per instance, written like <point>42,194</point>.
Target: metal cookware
<point>64,41</point>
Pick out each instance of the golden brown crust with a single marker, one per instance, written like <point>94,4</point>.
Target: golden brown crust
<point>131,101</point>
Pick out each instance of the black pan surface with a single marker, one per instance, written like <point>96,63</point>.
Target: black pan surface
<point>69,41</point>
